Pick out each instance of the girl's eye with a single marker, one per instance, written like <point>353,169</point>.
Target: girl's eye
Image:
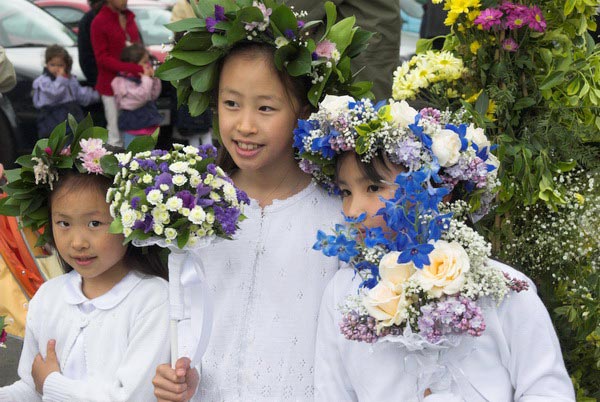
<point>94,224</point>
<point>229,103</point>
<point>62,224</point>
<point>266,109</point>
<point>373,188</point>
<point>345,193</point>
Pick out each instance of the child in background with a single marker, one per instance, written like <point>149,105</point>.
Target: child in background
<point>266,296</point>
<point>57,93</point>
<point>517,356</point>
<point>135,96</point>
<point>97,332</point>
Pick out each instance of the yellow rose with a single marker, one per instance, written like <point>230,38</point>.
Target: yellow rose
<point>393,272</point>
<point>385,305</point>
<point>445,274</point>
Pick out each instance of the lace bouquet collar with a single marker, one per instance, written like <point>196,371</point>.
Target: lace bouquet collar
<point>192,66</point>
<point>423,279</point>
<point>444,142</point>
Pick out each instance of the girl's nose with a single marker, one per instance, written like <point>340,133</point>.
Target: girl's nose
<point>354,208</point>
<point>246,123</point>
<point>79,241</point>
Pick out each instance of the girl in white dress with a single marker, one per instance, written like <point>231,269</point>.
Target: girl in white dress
<point>517,357</point>
<point>266,284</point>
<point>97,332</point>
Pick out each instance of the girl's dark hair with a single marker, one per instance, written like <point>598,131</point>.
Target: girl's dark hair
<point>370,169</point>
<point>133,53</point>
<point>53,51</point>
<point>148,260</point>
<point>296,88</point>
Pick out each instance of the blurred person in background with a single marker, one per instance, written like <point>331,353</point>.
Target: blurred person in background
<point>432,23</point>
<point>382,17</point>
<point>87,60</point>
<point>8,78</point>
<point>112,29</point>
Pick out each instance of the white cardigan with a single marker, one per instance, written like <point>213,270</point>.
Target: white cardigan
<point>517,358</point>
<point>125,338</point>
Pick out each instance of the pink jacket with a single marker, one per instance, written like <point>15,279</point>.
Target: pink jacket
<point>130,95</point>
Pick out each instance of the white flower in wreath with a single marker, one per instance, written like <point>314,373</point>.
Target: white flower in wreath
<point>476,135</point>
<point>445,274</point>
<point>402,113</point>
<point>178,167</point>
<point>154,197</point>
<point>197,215</point>
<point>173,204</point>
<point>179,180</point>
<point>170,233</point>
<point>446,147</point>
<point>334,105</point>
<point>128,218</point>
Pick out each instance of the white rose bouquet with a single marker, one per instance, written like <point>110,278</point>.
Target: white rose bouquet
<point>424,276</point>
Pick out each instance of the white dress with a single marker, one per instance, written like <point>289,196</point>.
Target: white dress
<point>517,358</point>
<point>267,286</point>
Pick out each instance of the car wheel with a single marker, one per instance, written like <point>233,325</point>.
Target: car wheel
<point>8,153</point>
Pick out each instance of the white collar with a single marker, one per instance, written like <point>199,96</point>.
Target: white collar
<point>74,295</point>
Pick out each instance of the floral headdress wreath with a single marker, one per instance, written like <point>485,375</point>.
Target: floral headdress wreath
<point>457,154</point>
<point>192,66</point>
<point>82,150</point>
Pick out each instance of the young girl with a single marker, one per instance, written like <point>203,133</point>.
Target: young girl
<point>57,93</point>
<point>516,358</point>
<point>135,96</point>
<point>112,30</point>
<point>266,296</point>
<point>97,332</point>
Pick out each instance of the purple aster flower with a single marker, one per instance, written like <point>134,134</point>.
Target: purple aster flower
<point>242,196</point>
<point>227,218</point>
<point>207,151</point>
<point>211,168</point>
<point>489,18</point>
<point>510,45</point>
<point>517,17</point>
<point>163,178</point>
<point>536,21</point>
<point>163,167</point>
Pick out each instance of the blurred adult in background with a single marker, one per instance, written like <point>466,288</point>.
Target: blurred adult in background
<point>113,28</point>
<point>8,78</point>
<point>382,17</point>
<point>87,60</point>
<point>432,23</point>
<point>196,130</point>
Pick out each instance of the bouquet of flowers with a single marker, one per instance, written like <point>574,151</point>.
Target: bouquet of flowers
<point>180,200</point>
<point>3,333</point>
<point>425,275</point>
<point>180,196</point>
<point>437,140</point>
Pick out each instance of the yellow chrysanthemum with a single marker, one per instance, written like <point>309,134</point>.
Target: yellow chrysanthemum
<point>491,111</point>
<point>474,47</point>
<point>451,93</point>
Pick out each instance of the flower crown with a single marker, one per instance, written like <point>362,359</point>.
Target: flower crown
<point>82,150</point>
<point>417,140</point>
<point>192,66</point>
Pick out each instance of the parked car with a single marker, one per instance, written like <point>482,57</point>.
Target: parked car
<point>25,31</point>
<point>150,16</point>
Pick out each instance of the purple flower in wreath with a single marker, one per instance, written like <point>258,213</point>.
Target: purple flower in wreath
<point>187,199</point>
<point>489,18</point>
<point>219,16</point>
<point>146,225</point>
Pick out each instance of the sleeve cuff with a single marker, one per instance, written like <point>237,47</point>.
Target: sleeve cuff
<point>56,388</point>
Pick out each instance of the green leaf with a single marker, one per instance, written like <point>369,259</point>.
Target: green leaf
<point>552,80</point>
<point>39,214</point>
<point>182,237</point>
<point>198,57</point>
<point>175,69</point>
<point>568,7</point>
<point>84,124</point>
<point>194,41</point>
<point>205,79</point>
<point>361,144</point>
<point>219,41</point>
<point>423,45</point>
<point>7,209</point>
<point>523,103</point>
<point>116,226</point>
<point>198,102</point>
<point>284,19</point>
<point>72,123</point>
<point>341,33</point>
<point>360,41</point>
<point>65,162</point>
<point>24,161</point>
<point>250,14</point>
<point>110,164</point>
<point>141,143</point>
<point>236,33</point>
<point>56,136</point>
<point>331,13</point>
<point>301,65</point>
<point>186,24</point>
<point>284,54</point>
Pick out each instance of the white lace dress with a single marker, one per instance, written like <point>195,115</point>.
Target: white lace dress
<point>267,285</point>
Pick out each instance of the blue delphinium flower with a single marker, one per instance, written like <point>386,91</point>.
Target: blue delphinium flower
<point>417,253</point>
<point>325,244</point>
<point>345,248</point>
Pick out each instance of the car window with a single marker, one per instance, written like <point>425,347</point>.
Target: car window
<point>24,24</point>
<point>68,15</point>
<point>151,23</point>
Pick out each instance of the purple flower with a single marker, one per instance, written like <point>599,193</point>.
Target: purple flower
<point>163,167</point>
<point>453,315</point>
<point>227,218</point>
<point>163,178</point>
<point>158,152</point>
<point>207,151</point>
<point>242,196</point>
<point>510,45</point>
<point>187,199</point>
<point>146,225</point>
<point>219,16</point>
<point>3,336</point>
<point>517,17</point>
<point>536,20</point>
<point>288,33</point>
<point>135,201</point>
<point>489,18</point>
<point>300,24</point>
<point>211,168</point>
